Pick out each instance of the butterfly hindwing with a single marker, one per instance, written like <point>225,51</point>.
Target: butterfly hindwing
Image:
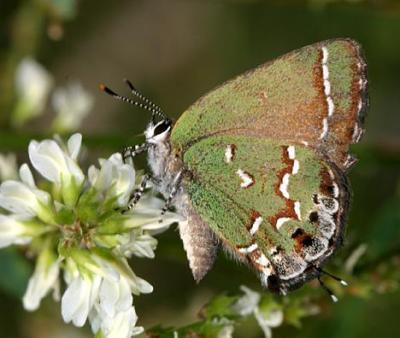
<point>277,206</point>
<point>316,95</point>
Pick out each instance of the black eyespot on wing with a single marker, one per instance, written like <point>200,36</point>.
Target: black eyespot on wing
<point>163,126</point>
<point>297,233</point>
<point>307,241</point>
<point>313,217</point>
<point>330,189</point>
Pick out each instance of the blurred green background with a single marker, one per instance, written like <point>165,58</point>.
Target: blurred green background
<point>175,51</point>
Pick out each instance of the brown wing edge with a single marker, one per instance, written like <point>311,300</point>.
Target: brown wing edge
<point>363,93</point>
<point>339,153</point>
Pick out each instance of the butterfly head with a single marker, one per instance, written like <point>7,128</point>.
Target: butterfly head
<point>157,132</point>
<point>157,144</point>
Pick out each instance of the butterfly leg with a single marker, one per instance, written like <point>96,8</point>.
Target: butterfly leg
<point>130,152</point>
<point>175,187</point>
<point>139,191</point>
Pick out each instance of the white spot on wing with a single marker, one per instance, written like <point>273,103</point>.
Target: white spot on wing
<point>324,55</point>
<point>327,92</point>
<point>281,221</point>
<point>296,167</point>
<point>257,222</point>
<point>331,175</point>
<point>265,266</point>
<point>327,86</point>
<point>249,249</point>
<point>263,260</point>
<point>291,152</point>
<point>247,180</point>
<point>324,128</point>
<point>335,186</point>
<point>297,209</point>
<point>335,190</point>
<point>284,186</point>
<point>229,153</point>
<point>331,106</point>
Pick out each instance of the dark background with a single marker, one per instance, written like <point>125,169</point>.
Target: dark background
<point>175,51</point>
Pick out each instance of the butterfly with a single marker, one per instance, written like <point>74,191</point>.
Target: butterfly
<point>259,165</point>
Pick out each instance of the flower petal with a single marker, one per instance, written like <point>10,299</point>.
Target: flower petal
<point>26,176</point>
<point>93,174</point>
<point>138,245</point>
<point>109,294</point>
<point>42,281</point>
<point>247,304</point>
<point>75,302</point>
<point>47,158</point>
<point>266,322</point>
<point>122,324</point>
<point>16,197</point>
<point>139,285</point>
<point>74,145</point>
<point>13,231</point>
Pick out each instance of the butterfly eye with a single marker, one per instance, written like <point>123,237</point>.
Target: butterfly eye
<point>162,127</point>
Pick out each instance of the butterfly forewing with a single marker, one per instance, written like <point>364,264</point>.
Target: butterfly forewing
<point>314,96</point>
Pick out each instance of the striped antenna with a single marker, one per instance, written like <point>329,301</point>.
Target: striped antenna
<point>322,284</point>
<point>328,291</point>
<point>135,92</point>
<point>341,281</point>
<point>142,105</point>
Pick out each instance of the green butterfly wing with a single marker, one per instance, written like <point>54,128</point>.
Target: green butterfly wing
<point>266,155</point>
<point>316,95</point>
<point>280,226</point>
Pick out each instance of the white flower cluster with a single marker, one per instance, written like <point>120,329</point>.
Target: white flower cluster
<point>75,226</point>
